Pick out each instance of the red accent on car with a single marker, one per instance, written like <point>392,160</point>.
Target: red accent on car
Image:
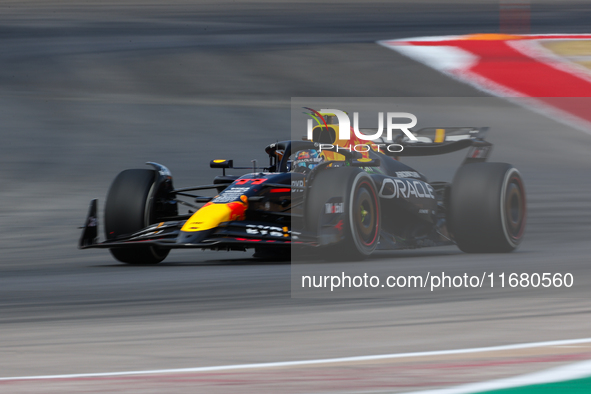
<point>257,181</point>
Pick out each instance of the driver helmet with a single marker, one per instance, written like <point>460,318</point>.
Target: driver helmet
<point>305,160</point>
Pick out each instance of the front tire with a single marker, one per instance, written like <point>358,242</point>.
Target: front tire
<point>361,207</point>
<point>130,208</point>
<point>487,208</point>
<point>364,217</point>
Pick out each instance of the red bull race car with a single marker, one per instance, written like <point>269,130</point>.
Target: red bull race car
<point>323,194</point>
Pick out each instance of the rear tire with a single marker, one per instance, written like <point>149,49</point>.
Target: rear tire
<point>129,208</point>
<point>487,208</point>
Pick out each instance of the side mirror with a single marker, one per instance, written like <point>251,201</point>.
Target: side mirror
<point>221,164</point>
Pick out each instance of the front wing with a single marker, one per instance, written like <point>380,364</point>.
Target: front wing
<point>234,235</point>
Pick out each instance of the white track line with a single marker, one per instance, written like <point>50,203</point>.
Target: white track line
<point>560,374</point>
<point>309,362</point>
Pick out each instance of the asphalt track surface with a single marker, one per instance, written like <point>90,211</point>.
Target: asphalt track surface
<point>91,89</point>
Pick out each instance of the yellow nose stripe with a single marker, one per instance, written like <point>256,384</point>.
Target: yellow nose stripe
<point>207,218</point>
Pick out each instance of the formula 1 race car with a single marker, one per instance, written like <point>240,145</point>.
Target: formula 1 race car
<point>341,198</point>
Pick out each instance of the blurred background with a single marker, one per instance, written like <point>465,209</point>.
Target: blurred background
<point>90,88</point>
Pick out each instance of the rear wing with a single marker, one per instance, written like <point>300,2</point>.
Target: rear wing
<point>437,141</point>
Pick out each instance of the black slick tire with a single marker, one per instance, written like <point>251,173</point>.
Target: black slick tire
<point>487,208</point>
<point>129,208</point>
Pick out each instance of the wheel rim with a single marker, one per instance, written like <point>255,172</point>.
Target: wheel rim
<point>515,209</point>
<point>365,218</point>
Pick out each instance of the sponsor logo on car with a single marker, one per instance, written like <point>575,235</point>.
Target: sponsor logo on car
<point>396,188</point>
<point>407,174</point>
<point>230,194</point>
<point>273,231</point>
<point>297,185</point>
<point>331,207</point>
